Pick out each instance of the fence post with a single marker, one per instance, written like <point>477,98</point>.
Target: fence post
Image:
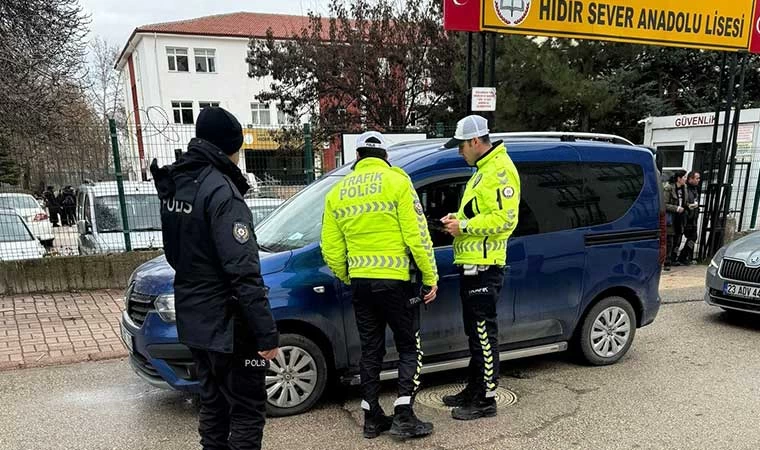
<point>308,154</point>
<point>120,184</point>
<point>755,204</point>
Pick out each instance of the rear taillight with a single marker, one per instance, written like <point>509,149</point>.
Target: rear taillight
<point>40,217</point>
<point>663,237</point>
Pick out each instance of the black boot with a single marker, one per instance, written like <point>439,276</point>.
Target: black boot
<point>464,397</point>
<point>407,425</point>
<point>479,407</point>
<point>376,422</point>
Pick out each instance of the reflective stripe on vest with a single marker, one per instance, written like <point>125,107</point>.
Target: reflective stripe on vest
<point>355,210</point>
<point>390,262</point>
<point>461,247</point>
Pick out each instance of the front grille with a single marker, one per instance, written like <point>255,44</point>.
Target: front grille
<point>737,270</point>
<point>744,304</point>
<point>139,305</point>
<point>143,365</point>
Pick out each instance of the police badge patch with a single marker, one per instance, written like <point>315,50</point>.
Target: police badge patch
<point>509,192</point>
<point>418,207</point>
<point>478,177</point>
<point>241,232</point>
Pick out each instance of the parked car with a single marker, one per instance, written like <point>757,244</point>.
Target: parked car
<point>16,239</point>
<point>99,220</point>
<point>35,216</point>
<point>262,207</point>
<point>583,270</point>
<point>733,277</point>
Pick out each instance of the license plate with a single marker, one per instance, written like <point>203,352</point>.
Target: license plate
<point>127,338</point>
<point>738,290</point>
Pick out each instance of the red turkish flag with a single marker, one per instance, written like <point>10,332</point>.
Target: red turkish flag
<point>754,43</point>
<point>462,15</point>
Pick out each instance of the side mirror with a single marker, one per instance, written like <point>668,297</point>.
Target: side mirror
<point>83,227</point>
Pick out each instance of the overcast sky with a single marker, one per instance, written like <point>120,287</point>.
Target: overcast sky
<point>115,20</point>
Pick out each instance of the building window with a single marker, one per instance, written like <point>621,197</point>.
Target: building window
<point>178,61</point>
<point>260,113</point>
<point>183,112</point>
<point>205,60</point>
<point>202,105</point>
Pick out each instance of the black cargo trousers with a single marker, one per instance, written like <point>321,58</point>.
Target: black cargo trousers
<point>378,303</point>
<point>233,398</point>
<point>479,294</point>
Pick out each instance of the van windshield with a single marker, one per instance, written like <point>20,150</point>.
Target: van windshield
<point>143,213</point>
<point>298,222</point>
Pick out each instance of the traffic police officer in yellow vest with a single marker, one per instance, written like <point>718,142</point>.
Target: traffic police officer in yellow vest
<point>486,218</point>
<point>373,231</point>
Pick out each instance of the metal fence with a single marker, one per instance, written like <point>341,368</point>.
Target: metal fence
<point>67,200</point>
<point>742,197</point>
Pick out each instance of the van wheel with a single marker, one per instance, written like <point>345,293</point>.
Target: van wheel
<point>607,332</point>
<point>296,378</point>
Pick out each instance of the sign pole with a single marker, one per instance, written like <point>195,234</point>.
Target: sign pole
<point>469,73</point>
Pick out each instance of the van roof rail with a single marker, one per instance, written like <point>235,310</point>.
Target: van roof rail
<point>567,136</point>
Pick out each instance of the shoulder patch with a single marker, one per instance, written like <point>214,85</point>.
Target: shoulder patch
<point>241,232</point>
<point>478,177</point>
<point>418,207</point>
<point>509,192</point>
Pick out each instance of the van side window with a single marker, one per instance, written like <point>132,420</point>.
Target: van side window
<point>551,198</point>
<point>439,199</point>
<point>610,189</point>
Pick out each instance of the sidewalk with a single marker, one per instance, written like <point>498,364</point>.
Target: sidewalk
<point>47,329</point>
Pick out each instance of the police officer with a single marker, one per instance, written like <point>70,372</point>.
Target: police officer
<point>486,218</point>
<point>373,221</point>
<point>222,309</point>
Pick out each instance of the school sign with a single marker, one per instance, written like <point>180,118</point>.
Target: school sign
<point>729,25</point>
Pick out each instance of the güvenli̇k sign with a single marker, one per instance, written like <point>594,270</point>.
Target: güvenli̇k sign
<point>707,24</point>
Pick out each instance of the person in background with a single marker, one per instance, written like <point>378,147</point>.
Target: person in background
<point>692,214</point>
<point>52,205</point>
<point>675,206</point>
<point>68,202</point>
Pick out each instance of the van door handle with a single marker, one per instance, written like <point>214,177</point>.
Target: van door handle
<point>319,289</point>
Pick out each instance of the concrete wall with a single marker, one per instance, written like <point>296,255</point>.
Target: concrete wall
<point>75,273</point>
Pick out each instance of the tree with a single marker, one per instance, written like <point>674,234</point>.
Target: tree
<point>105,84</point>
<point>105,89</point>
<point>41,52</point>
<point>372,64</point>
<point>9,170</point>
<point>565,84</point>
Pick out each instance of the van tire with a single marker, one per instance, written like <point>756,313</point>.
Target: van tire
<point>620,310</point>
<point>302,349</point>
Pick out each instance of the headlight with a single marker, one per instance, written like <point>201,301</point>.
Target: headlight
<point>165,308</point>
<point>715,262</point>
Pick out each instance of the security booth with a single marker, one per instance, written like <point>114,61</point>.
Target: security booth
<point>685,142</point>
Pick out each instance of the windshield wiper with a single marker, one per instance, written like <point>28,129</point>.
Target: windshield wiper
<point>266,248</point>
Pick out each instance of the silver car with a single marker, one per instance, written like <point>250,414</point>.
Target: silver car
<point>733,277</point>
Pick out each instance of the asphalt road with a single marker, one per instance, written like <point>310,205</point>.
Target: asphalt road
<point>690,381</point>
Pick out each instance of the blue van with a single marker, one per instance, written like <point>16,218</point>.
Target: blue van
<point>583,269</point>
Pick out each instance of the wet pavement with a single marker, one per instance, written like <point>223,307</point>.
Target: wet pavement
<point>690,381</point>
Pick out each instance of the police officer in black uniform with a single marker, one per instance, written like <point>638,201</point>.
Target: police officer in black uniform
<point>221,303</point>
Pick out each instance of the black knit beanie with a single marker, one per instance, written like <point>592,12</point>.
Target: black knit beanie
<point>220,128</point>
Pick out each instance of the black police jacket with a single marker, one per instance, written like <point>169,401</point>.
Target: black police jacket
<point>219,294</point>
